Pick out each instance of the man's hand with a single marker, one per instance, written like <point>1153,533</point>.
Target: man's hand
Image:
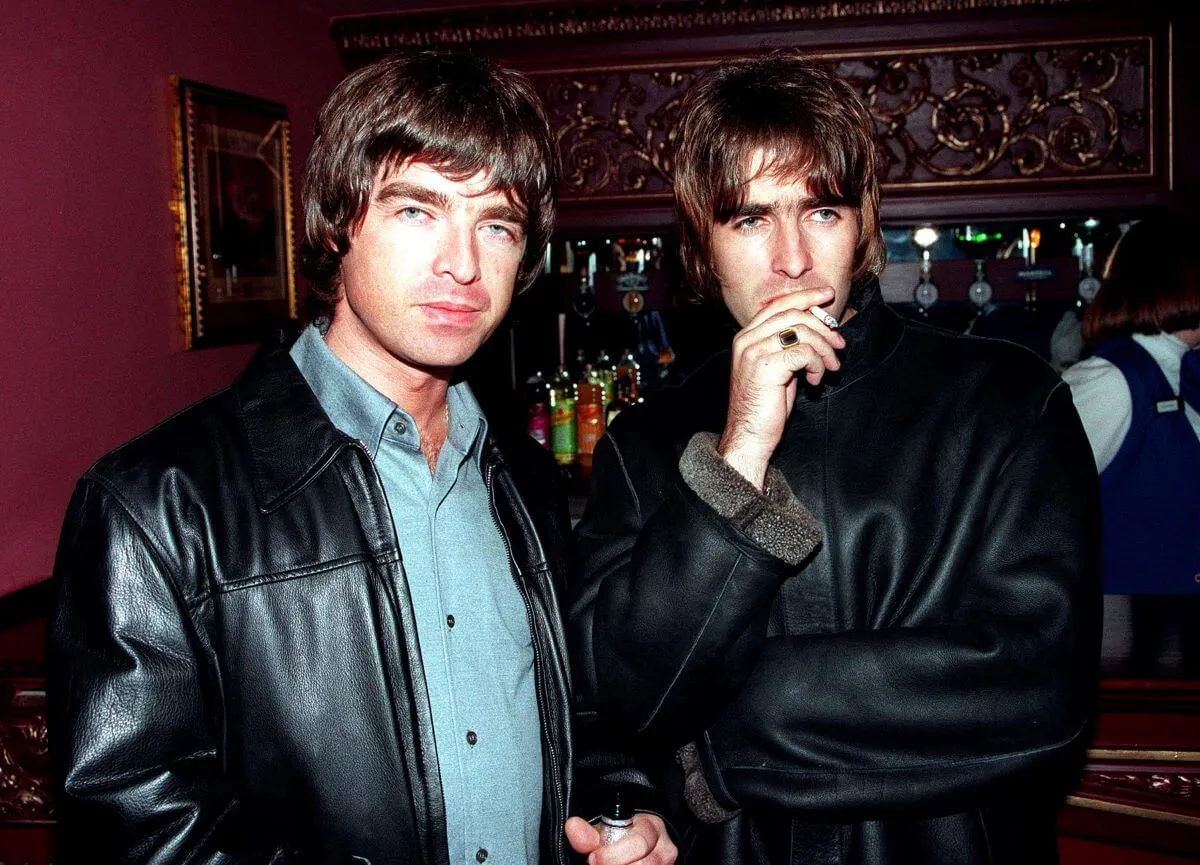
<point>647,843</point>
<point>762,387</point>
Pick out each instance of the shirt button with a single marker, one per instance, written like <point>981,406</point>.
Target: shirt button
<point>481,855</point>
<point>449,621</point>
<point>472,739</point>
<point>400,427</point>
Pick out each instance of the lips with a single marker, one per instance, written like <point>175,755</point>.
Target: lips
<point>452,312</point>
<point>770,300</point>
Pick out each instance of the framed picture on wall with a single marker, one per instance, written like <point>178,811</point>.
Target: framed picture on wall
<point>232,204</point>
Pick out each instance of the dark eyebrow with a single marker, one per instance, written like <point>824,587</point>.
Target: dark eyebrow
<point>503,213</point>
<point>752,209</point>
<point>400,189</point>
<point>744,210</point>
<point>818,202</point>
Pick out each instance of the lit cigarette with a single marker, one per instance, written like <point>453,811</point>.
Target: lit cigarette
<point>826,319</point>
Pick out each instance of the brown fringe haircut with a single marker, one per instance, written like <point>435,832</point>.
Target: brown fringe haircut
<point>804,119</point>
<point>459,113</point>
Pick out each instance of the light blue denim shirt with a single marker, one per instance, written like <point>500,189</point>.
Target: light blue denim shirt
<point>472,623</point>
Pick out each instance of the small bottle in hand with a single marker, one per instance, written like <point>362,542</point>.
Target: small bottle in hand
<point>615,821</point>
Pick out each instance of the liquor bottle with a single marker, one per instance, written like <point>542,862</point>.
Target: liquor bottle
<point>537,397</point>
<point>1033,281</point>
<point>619,402</point>
<point>578,368</point>
<point>606,369</point>
<point>629,368</point>
<point>562,417</point>
<point>589,415</point>
<point>616,820</point>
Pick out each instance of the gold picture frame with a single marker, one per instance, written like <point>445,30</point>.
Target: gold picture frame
<point>232,205</point>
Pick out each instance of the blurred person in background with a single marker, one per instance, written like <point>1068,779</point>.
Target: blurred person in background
<point>1138,395</point>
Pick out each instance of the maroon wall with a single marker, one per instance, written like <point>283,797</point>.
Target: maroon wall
<point>90,347</point>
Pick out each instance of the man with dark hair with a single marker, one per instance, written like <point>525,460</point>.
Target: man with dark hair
<point>312,618</point>
<point>847,573</point>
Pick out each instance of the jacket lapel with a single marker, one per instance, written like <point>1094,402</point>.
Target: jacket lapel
<point>289,436</point>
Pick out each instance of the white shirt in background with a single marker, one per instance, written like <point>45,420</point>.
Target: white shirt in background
<point>1102,397</point>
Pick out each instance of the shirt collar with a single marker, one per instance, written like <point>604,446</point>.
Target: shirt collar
<point>1168,343</point>
<point>468,424</point>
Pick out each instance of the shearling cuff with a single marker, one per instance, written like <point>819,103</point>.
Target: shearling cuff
<point>774,519</point>
<point>696,792</point>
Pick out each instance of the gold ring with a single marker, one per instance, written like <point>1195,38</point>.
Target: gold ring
<point>788,338</point>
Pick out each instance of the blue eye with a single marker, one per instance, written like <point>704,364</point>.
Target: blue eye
<point>826,214</point>
<point>749,223</point>
<point>503,232</point>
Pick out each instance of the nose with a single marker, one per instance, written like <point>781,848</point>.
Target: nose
<point>456,255</point>
<point>792,256</point>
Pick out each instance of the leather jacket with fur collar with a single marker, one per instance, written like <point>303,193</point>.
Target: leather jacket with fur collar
<point>891,656</point>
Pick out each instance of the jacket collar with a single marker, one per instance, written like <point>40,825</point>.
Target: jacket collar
<point>290,438</point>
<point>871,335</point>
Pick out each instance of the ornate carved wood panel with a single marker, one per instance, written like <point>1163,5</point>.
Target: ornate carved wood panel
<point>24,781</point>
<point>26,811</point>
<point>1162,785</point>
<point>949,119</point>
<point>615,130</point>
<point>994,115</point>
<point>1066,98</point>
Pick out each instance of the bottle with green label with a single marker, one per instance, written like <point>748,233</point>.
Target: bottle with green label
<point>562,417</point>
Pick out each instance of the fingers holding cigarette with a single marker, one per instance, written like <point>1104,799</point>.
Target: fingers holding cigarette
<point>791,335</point>
<point>797,303</point>
<point>787,343</point>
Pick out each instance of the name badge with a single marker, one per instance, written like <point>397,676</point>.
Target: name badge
<point>1166,406</point>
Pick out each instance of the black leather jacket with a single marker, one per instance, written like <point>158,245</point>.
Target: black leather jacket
<point>233,665</point>
<point>919,689</point>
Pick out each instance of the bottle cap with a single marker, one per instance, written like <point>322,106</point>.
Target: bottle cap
<point>617,809</point>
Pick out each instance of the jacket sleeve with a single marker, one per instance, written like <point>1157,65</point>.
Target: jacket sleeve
<point>868,724</point>
<point>644,658</point>
<point>133,738</point>
<point>603,764</point>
